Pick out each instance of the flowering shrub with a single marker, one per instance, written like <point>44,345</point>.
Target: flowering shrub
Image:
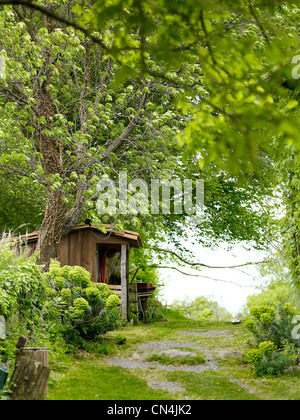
<point>66,295</point>
<point>83,309</point>
<point>251,326</point>
<point>68,276</point>
<point>22,299</point>
<point>266,319</point>
<point>81,304</point>
<point>103,289</point>
<point>254,355</point>
<point>92,294</point>
<point>60,309</point>
<point>112,301</point>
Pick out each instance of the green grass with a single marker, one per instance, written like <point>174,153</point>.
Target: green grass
<point>89,377</point>
<point>210,386</point>
<point>90,380</point>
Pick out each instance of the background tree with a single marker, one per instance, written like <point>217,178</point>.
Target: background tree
<point>202,309</point>
<point>79,117</point>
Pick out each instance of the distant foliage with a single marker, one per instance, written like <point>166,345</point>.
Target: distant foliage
<point>202,309</point>
<point>276,291</point>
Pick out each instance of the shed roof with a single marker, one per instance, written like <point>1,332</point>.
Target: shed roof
<point>133,238</point>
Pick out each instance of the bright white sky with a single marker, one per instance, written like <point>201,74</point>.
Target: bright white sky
<point>231,296</point>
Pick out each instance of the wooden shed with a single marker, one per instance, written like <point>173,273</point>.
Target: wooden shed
<point>105,256</point>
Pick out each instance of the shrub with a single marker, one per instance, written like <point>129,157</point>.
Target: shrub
<point>154,311</point>
<point>66,295</point>
<point>266,319</point>
<point>79,276</point>
<point>267,347</point>
<point>258,311</point>
<point>22,286</point>
<point>272,332</point>
<point>24,298</point>
<point>121,339</point>
<point>91,294</point>
<point>112,301</point>
<point>83,307</point>
<point>251,326</point>
<point>68,276</point>
<point>59,282</point>
<point>271,325</point>
<point>81,304</point>
<point>104,290</point>
<point>274,363</point>
<point>254,355</point>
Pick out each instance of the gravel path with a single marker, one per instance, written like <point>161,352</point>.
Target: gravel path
<point>174,349</point>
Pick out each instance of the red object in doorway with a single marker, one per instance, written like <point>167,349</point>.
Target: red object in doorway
<point>103,267</point>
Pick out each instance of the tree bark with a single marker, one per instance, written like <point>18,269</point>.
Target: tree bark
<point>29,380</point>
<point>52,227</point>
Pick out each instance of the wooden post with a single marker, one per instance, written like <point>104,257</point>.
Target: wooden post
<point>2,328</point>
<point>21,343</point>
<point>124,285</point>
<point>133,298</point>
<point>127,281</point>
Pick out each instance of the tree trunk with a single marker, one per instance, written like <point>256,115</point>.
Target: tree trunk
<point>52,227</point>
<point>58,223</point>
<point>29,380</point>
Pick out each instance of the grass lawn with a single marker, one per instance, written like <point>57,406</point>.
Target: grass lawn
<point>91,380</point>
<point>89,376</point>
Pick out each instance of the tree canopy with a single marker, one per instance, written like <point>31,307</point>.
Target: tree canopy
<point>158,89</point>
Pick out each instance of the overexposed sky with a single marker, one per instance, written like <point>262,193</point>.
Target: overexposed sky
<point>230,293</point>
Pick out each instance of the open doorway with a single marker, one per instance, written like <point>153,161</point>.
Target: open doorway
<point>108,264</point>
